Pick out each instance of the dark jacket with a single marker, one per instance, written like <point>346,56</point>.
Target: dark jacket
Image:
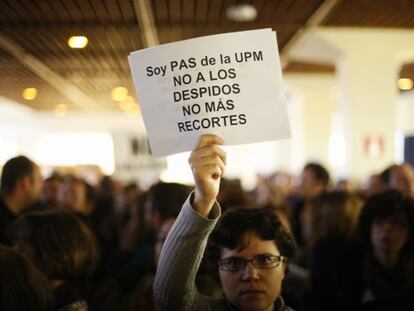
<point>6,218</point>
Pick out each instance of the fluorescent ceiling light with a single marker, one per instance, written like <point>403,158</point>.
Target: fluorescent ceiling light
<point>241,13</point>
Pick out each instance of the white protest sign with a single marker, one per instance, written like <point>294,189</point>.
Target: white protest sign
<point>228,84</point>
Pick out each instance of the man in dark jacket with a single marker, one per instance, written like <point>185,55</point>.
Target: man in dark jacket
<point>21,186</point>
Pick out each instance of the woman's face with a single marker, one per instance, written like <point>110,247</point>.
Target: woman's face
<point>252,288</point>
<point>388,236</point>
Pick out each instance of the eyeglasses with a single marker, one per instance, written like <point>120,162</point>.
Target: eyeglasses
<point>264,261</point>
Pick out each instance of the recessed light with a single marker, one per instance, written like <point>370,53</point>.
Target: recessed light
<point>119,93</point>
<point>133,112</point>
<point>241,13</point>
<point>78,42</point>
<point>127,104</point>
<point>29,93</point>
<point>405,84</point>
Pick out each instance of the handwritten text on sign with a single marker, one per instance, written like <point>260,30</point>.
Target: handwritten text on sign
<point>226,85</point>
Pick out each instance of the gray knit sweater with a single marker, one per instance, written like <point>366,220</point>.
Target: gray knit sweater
<point>174,285</point>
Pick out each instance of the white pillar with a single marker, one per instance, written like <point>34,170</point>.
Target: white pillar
<point>316,93</point>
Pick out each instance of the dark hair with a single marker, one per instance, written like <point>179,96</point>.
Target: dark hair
<point>321,173</point>
<point>167,198</point>
<point>64,247</point>
<point>14,170</point>
<point>54,177</point>
<point>264,222</point>
<point>23,286</point>
<point>391,204</point>
<point>334,213</point>
<point>90,193</point>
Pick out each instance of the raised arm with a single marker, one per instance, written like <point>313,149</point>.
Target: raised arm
<point>207,162</point>
<point>174,286</point>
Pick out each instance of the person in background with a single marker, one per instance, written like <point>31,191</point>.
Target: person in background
<point>162,202</point>
<point>20,188</point>
<point>313,181</point>
<point>142,298</point>
<point>374,184</point>
<point>51,191</point>
<point>333,256</point>
<point>386,229</point>
<point>23,286</point>
<point>402,179</point>
<point>62,247</point>
<point>253,247</point>
<point>77,196</point>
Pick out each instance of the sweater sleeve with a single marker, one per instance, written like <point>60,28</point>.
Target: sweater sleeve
<point>174,285</point>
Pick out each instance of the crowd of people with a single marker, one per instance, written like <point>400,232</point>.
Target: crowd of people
<point>293,242</point>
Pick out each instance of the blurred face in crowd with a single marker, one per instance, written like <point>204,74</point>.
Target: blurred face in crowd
<point>402,179</point>
<point>36,184</point>
<point>309,185</point>
<point>252,288</point>
<point>375,185</point>
<point>51,190</point>
<point>73,197</point>
<point>162,235</point>
<point>388,237</point>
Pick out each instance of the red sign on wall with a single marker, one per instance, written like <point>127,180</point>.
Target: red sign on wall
<point>374,145</point>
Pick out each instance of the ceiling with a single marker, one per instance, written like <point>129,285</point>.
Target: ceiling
<point>34,34</point>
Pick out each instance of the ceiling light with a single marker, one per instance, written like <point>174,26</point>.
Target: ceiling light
<point>127,104</point>
<point>119,93</point>
<point>29,93</point>
<point>77,42</point>
<point>61,110</point>
<point>134,111</point>
<point>405,84</point>
<point>241,13</point>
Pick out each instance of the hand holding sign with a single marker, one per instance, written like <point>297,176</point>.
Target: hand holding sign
<point>228,84</point>
<point>207,162</point>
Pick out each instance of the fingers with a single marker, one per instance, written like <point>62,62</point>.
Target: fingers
<point>209,139</point>
<point>208,151</point>
<point>208,159</point>
<point>211,165</point>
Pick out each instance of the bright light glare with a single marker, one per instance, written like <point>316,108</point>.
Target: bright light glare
<point>78,42</point>
<point>178,169</point>
<point>134,111</point>
<point>405,84</point>
<point>77,149</point>
<point>8,150</point>
<point>337,150</point>
<point>29,93</point>
<point>119,93</point>
<point>127,104</point>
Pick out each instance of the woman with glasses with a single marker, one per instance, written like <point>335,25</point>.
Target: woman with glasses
<point>251,246</point>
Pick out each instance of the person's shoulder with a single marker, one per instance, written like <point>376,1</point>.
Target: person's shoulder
<point>6,216</point>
